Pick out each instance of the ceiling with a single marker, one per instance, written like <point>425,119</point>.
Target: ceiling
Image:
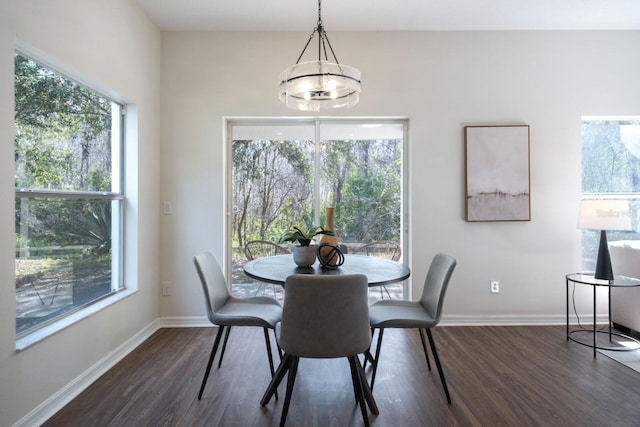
<point>393,15</point>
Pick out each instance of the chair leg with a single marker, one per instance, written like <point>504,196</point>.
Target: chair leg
<point>368,357</point>
<point>367,354</point>
<point>276,380</point>
<point>260,286</point>
<point>357,388</point>
<point>387,291</point>
<point>437,359</point>
<point>377,358</point>
<point>224,346</point>
<point>368,396</point>
<point>424,348</point>
<point>291,379</point>
<point>211,357</point>
<point>269,355</point>
<point>353,380</point>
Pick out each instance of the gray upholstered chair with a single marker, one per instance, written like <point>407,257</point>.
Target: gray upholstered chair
<point>226,311</point>
<point>422,315</point>
<point>324,317</point>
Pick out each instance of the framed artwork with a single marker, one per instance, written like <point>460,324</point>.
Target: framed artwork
<point>497,173</point>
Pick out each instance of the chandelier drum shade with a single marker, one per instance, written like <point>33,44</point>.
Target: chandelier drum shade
<point>319,84</point>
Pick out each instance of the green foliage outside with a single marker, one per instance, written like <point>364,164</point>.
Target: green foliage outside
<point>271,179</point>
<point>273,188</point>
<point>608,166</point>
<point>63,242</point>
<point>63,143</point>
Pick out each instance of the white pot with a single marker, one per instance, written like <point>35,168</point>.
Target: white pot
<point>304,256</point>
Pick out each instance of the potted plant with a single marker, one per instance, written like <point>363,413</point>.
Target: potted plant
<point>303,254</point>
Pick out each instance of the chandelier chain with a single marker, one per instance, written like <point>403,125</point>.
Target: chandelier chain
<point>323,40</point>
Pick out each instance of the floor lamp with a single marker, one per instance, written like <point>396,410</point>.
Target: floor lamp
<point>603,215</point>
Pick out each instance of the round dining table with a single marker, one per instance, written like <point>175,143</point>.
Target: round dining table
<point>379,271</point>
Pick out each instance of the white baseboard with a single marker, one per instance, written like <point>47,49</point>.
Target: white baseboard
<point>184,322</point>
<point>53,404</point>
<point>517,320</point>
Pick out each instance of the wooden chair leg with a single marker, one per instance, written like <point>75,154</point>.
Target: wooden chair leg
<point>291,379</point>
<point>424,348</point>
<point>214,349</point>
<point>224,346</point>
<point>437,359</point>
<point>357,388</point>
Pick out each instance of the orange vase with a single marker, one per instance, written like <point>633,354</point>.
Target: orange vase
<point>331,240</point>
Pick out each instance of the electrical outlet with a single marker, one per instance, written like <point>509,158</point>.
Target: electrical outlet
<point>167,208</point>
<point>166,289</point>
<point>495,286</point>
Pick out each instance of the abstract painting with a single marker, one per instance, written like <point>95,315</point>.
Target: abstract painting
<point>497,173</point>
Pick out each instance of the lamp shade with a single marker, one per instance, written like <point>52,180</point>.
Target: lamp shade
<point>314,85</point>
<point>604,214</point>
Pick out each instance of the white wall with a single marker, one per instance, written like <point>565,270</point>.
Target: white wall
<point>441,81</point>
<point>113,45</point>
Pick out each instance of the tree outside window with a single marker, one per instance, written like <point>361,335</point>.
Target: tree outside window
<point>68,203</point>
<point>610,168</point>
<point>282,177</point>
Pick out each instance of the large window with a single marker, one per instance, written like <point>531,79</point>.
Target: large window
<point>287,173</point>
<point>68,195</point>
<point>610,169</point>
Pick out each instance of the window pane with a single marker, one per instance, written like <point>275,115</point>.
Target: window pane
<point>272,187</point>
<point>611,156</point>
<point>283,177</point>
<point>63,132</point>
<point>69,200</point>
<point>63,256</point>
<point>362,179</point>
<point>610,167</point>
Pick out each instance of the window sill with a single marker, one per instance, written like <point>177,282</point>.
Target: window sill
<point>36,336</point>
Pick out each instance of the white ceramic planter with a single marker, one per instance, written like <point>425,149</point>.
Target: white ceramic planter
<point>304,256</point>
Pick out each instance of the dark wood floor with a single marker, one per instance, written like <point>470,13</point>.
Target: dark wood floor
<point>497,376</point>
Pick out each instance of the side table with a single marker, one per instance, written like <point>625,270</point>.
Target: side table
<point>589,280</point>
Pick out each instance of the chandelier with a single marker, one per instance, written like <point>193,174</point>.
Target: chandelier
<point>320,84</point>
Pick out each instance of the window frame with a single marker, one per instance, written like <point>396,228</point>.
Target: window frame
<point>316,122</point>
<point>119,289</point>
